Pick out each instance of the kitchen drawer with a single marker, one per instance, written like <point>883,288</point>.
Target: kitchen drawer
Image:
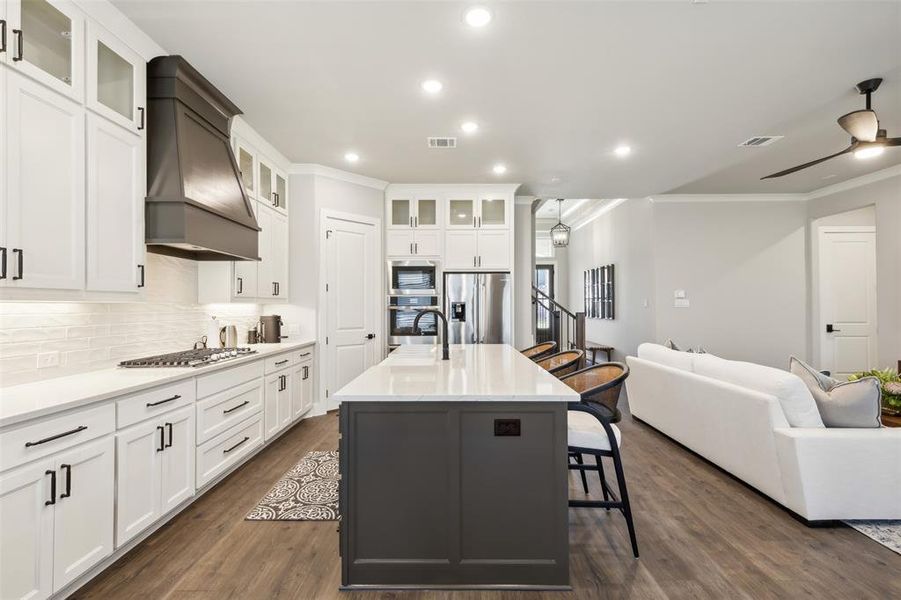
<point>145,405</point>
<point>303,354</point>
<point>43,437</point>
<point>220,412</point>
<point>207,385</point>
<point>228,448</point>
<point>280,361</point>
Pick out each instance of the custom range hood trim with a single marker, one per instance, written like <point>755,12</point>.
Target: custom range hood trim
<point>196,206</point>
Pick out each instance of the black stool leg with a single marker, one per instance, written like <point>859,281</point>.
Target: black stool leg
<point>597,459</point>
<point>624,499</point>
<point>582,473</point>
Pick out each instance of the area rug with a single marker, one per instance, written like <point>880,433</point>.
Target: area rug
<point>308,492</point>
<point>887,533</point>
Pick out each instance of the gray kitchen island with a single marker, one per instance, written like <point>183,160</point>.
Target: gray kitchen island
<point>454,473</point>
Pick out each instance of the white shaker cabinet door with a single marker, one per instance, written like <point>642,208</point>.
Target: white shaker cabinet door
<point>245,284</point>
<point>26,532</point>
<point>399,242</point>
<point>271,393</point>
<point>177,475</point>
<point>45,188</point>
<point>280,255</point>
<point>115,208</point>
<point>138,452</point>
<point>494,249</point>
<point>266,268</point>
<point>302,389</point>
<point>460,249</point>
<point>427,242</point>
<point>83,514</point>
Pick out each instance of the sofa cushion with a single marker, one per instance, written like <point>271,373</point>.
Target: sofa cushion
<point>842,403</point>
<point>796,400</point>
<point>585,431</point>
<point>665,356</point>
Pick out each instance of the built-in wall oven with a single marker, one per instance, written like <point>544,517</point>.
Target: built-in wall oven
<point>413,285</point>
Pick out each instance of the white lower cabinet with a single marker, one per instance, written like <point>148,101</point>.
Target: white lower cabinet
<point>56,519</point>
<point>155,470</point>
<point>302,389</point>
<point>227,449</point>
<point>277,402</point>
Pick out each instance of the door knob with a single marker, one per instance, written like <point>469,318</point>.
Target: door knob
<point>370,336</point>
<point>830,328</point>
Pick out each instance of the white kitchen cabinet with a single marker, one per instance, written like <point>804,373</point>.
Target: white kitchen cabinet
<point>45,195</point>
<point>5,249</point>
<point>247,166</point>
<point>495,211</point>
<point>272,185</point>
<point>117,80</point>
<point>280,254</point>
<point>45,41</point>
<point>302,389</point>
<point>494,250</point>
<point>277,407</point>
<point>414,212</point>
<point>412,242</point>
<point>155,470</point>
<point>272,270</point>
<point>57,519</point>
<point>281,191</point>
<point>461,249</point>
<point>245,279</point>
<point>477,249</point>
<point>461,211</point>
<point>115,207</point>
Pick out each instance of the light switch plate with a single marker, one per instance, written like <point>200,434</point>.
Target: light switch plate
<point>681,303</point>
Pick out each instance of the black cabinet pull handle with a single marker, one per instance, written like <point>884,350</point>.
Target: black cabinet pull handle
<point>169,431</point>
<point>158,402</point>
<point>141,122</point>
<point>2,263</point>
<point>52,487</point>
<point>305,354</point>
<point>2,35</point>
<point>306,372</point>
<point>20,262</point>
<point>20,45</point>
<point>411,221</point>
<point>162,438</point>
<point>240,285</point>
<point>56,437</point>
<point>415,221</point>
<point>234,408</point>
<point>281,362</point>
<point>141,268</point>
<point>68,492</point>
<point>227,450</point>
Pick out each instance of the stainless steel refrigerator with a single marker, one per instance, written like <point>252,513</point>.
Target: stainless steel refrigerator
<point>479,308</point>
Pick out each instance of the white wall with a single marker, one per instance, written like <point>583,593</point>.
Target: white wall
<point>622,236</point>
<point>522,272</point>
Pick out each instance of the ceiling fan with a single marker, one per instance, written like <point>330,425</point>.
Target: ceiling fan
<point>866,137</point>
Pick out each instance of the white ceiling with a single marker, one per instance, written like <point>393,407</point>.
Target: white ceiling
<point>555,86</point>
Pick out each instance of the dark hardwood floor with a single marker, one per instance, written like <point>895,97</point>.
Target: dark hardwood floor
<point>701,534</point>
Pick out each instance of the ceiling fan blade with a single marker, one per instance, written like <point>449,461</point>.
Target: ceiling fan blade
<point>861,124</point>
<point>810,164</point>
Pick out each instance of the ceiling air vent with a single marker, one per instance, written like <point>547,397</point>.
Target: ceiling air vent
<point>760,140</point>
<point>442,142</point>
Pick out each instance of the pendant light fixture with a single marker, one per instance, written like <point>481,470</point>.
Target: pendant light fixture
<point>560,232</point>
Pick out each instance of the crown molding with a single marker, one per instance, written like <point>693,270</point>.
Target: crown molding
<point>850,184</point>
<point>682,198</point>
<point>460,188</point>
<point>524,200</point>
<point>338,174</point>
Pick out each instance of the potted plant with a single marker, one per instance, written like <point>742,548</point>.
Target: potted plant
<point>891,388</point>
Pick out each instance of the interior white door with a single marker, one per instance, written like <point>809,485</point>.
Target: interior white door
<point>352,262</point>
<point>26,532</point>
<point>177,468</point>
<point>847,299</point>
<point>138,450</point>
<point>83,515</point>
<point>46,192</point>
<point>115,207</point>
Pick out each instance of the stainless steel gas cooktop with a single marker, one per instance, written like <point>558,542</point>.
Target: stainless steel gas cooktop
<point>188,358</point>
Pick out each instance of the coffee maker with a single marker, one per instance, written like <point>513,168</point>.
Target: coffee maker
<point>271,329</point>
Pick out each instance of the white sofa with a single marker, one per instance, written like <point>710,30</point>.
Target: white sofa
<point>820,474</point>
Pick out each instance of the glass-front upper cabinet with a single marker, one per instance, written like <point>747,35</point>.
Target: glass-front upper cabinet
<point>461,212</point>
<point>281,191</point>
<point>265,183</point>
<point>400,212</point>
<point>116,80</point>
<point>45,40</point>
<point>493,212</point>
<point>247,165</point>
<point>426,214</point>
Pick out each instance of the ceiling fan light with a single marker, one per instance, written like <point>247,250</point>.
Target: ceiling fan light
<point>870,152</point>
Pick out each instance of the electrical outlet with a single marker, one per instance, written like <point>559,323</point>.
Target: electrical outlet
<point>48,359</point>
<point>681,303</point>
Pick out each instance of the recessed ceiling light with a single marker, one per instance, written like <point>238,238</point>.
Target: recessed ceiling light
<point>432,86</point>
<point>478,16</point>
<point>469,127</point>
<point>870,152</point>
<point>623,151</point>
<point>499,169</point>
<point>352,157</point>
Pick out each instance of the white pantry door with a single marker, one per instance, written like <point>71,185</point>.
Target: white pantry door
<point>847,294</point>
<point>352,291</point>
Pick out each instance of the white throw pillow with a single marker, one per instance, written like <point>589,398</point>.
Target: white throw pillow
<point>842,403</point>
<point>796,400</point>
<point>664,356</point>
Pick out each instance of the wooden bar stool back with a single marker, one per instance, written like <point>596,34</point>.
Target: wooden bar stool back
<point>539,351</point>
<point>562,363</point>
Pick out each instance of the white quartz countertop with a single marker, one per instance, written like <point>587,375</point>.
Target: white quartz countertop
<point>30,400</point>
<point>479,372</point>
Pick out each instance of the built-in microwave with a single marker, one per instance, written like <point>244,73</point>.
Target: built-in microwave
<point>402,311</point>
<point>414,278</point>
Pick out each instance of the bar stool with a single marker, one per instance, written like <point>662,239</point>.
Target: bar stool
<point>539,351</point>
<point>591,431</point>
<point>562,363</point>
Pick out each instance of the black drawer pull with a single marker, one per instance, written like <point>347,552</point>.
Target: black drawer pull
<point>157,403</point>
<point>281,362</point>
<point>20,262</point>
<point>68,491</point>
<point>234,408</point>
<point>305,354</point>
<point>56,437</point>
<point>52,488</point>
<point>227,450</point>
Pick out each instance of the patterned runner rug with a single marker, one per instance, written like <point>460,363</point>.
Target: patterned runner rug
<point>887,533</point>
<point>308,492</point>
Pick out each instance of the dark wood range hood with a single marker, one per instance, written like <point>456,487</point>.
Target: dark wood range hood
<point>196,206</point>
